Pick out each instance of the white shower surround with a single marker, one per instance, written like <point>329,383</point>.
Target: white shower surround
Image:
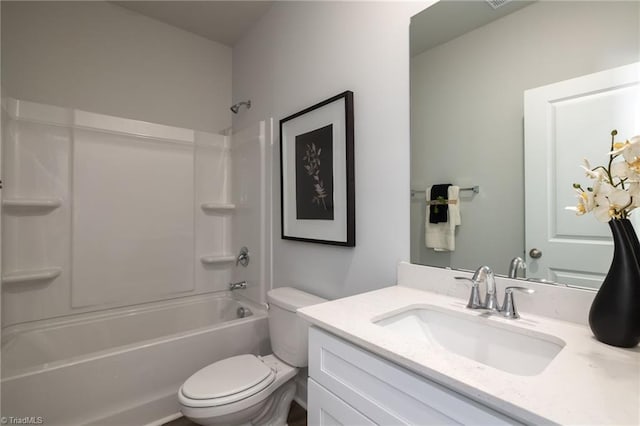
<point>157,199</point>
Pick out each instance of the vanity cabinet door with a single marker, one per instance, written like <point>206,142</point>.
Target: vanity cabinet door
<point>387,393</point>
<point>326,409</point>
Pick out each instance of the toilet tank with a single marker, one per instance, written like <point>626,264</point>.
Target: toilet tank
<point>288,331</point>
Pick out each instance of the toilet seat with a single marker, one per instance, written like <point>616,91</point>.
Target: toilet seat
<point>227,381</point>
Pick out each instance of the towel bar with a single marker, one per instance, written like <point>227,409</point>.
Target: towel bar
<point>441,202</point>
<point>475,189</point>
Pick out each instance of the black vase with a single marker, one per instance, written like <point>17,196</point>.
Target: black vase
<point>614,317</point>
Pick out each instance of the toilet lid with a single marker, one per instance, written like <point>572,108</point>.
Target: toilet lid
<point>229,377</point>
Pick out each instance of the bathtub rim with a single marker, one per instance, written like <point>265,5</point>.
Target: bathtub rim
<point>100,314</point>
<point>258,312</point>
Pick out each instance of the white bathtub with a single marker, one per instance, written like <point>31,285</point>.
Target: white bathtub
<point>121,367</point>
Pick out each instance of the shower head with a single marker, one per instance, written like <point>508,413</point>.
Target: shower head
<point>235,108</point>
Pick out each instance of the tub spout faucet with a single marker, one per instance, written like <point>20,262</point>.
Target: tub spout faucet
<point>238,285</point>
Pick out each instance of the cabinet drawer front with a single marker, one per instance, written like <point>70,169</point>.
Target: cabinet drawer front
<point>326,409</point>
<point>388,393</point>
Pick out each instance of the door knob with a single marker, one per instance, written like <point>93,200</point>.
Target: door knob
<point>535,253</point>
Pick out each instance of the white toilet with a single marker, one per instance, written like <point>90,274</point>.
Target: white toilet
<point>249,389</point>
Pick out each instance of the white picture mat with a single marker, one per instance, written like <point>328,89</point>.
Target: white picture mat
<point>329,230</point>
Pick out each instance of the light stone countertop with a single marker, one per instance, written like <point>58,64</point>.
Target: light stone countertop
<point>587,383</point>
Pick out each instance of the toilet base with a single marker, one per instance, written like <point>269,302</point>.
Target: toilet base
<point>277,408</point>
<point>268,407</point>
<point>232,419</point>
<point>272,411</point>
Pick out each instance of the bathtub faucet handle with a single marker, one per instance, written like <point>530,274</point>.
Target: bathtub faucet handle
<point>243,257</point>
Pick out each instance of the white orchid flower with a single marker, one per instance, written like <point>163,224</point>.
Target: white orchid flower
<point>634,192</point>
<point>635,166</point>
<point>593,174</point>
<point>630,149</point>
<point>586,202</point>
<point>622,170</point>
<point>615,188</point>
<point>610,202</point>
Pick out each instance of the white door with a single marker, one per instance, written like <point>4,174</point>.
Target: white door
<point>564,123</point>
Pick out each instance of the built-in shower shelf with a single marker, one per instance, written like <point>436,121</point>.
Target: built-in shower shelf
<point>44,204</point>
<point>218,207</point>
<point>217,259</point>
<point>31,275</point>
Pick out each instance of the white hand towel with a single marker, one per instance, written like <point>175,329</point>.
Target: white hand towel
<point>441,236</point>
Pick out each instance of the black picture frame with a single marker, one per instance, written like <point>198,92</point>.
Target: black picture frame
<point>317,177</point>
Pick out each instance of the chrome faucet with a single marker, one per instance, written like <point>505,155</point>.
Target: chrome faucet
<point>238,285</point>
<point>517,263</point>
<point>483,273</point>
<point>508,308</point>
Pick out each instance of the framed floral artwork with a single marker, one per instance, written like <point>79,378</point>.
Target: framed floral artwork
<point>316,173</point>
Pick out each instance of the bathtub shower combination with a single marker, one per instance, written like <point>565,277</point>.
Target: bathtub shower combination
<point>119,241</point>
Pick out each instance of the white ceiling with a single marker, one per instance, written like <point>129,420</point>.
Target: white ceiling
<point>227,21</point>
<point>222,21</point>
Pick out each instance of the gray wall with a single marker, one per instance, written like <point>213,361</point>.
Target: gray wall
<point>467,114</point>
<point>301,53</point>
<point>100,57</point>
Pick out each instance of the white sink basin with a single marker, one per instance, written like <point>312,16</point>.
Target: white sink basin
<point>502,346</point>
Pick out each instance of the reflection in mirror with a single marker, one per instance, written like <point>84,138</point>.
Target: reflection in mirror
<point>469,73</point>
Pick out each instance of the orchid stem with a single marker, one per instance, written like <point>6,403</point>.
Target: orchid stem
<point>611,157</point>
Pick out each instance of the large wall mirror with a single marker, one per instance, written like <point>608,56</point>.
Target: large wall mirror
<point>471,69</point>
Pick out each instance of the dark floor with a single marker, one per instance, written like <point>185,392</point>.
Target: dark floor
<point>297,417</point>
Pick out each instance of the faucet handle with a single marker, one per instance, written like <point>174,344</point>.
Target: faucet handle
<point>521,289</point>
<point>474,298</point>
<point>243,257</point>
<point>508,306</point>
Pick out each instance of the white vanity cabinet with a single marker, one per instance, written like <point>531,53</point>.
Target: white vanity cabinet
<point>351,386</point>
